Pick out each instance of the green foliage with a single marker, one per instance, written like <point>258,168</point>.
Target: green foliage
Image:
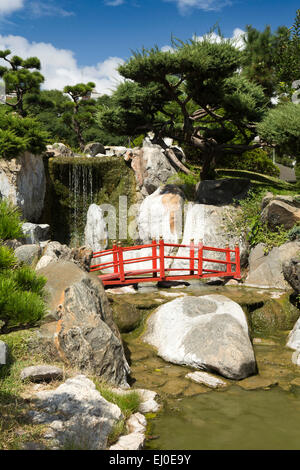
<point>194,95</point>
<point>10,223</point>
<point>256,160</point>
<point>20,79</point>
<point>21,289</point>
<point>281,126</point>
<point>294,233</point>
<point>247,223</point>
<point>127,402</point>
<point>20,134</point>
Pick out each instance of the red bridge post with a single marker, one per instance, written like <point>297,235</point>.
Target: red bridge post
<point>154,256</point>
<point>192,257</point>
<point>121,262</point>
<point>237,262</point>
<point>162,258</point>
<point>200,258</point>
<point>228,260</point>
<point>115,256</point>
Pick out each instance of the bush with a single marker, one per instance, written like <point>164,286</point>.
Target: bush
<point>247,223</point>
<point>256,160</point>
<point>18,135</point>
<point>10,223</point>
<point>21,290</point>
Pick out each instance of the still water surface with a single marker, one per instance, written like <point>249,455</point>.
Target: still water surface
<point>232,419</point>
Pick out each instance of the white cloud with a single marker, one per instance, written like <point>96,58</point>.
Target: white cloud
<point>8,6</point>
<point>185,6</point>
<point>60,67</point>
<point>114,3</point>
<point>236,39</point>
<point>38,9</point>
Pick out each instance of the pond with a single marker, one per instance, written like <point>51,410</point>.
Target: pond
<point>233,419</point>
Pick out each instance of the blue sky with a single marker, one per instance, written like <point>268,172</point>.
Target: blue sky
<point>81,40</point>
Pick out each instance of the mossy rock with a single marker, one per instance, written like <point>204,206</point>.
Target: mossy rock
<point>74,183</point>
<point>126,316</point>
<point>275,314</point>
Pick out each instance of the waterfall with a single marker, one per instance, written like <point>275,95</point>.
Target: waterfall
<point>80,197</point>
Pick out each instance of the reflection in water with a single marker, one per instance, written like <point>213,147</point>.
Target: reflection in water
<point>232,419</point>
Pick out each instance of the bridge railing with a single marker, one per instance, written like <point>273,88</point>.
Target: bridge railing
<point>159,270</point>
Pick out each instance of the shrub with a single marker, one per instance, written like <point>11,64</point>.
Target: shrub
<point>10,223</point>
<point>19,134</point>
<point>247,223</point>
<point>256,160</point>
<point>21,290</point>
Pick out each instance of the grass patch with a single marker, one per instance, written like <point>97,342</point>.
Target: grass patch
<point>128,403</point>
<point>16,426</point>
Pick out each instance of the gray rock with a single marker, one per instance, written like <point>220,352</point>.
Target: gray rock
<point>42,373</point>
<point>208,333</point>
<point>206,379</point>
<point>23,181</point>
<point>55,251</point>
<point>151,166</point>
<point>266,271</point>
<point>133,441</point>
<point>3,353</point>
<point>59,150</point>
<point>35,233</point>
<point>221,192</point>
<point>136,423</point>
<point>93,148</point>
<point>28,253</point>
<point>95,232</point>
<point>294,337</point>
<point>79,417</point>
<point>291,272</point>
<point>281,212</point>
<point>86,335</point>
<point>160,214</point>
<point>117,151</point>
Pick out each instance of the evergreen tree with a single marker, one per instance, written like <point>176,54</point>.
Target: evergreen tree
<point>194,95</point>
<point>80,110</point>
<point>21,77</point>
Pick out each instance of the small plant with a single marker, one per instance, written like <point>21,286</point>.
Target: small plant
<point>128,402</point>
<point>247,223</point>
<point>21,290</point>
<point>10,222</point>
<point>294,233</point>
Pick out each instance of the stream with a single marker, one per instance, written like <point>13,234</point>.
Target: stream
<point>258,413</point>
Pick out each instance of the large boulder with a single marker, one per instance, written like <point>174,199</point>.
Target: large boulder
<point>208,333</point>
<point>59,149</point>
<point>35,233</point>
<point>55,251</point>
<point>160,214</point>
<point>95,232</point>
<point>93,148</point>
<point>23,182</point>
<point>86,335</point>
<point>3,353</point>
<point>207,223</point>
<point>151,166</point>
<point>283,210</point>
<point>291,272</point>
<point>115,151</point>
<point>221,192</point>
<point>294,337</point>
<point>28,253</point>
<point>76,414</point>
<point>267,270</point>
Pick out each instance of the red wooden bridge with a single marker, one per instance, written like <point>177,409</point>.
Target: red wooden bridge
<point>122,275</point>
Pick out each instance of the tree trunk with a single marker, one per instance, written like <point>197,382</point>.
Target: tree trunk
<point>170,154</point>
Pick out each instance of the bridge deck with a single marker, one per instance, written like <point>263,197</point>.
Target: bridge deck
<point>198,265</point>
